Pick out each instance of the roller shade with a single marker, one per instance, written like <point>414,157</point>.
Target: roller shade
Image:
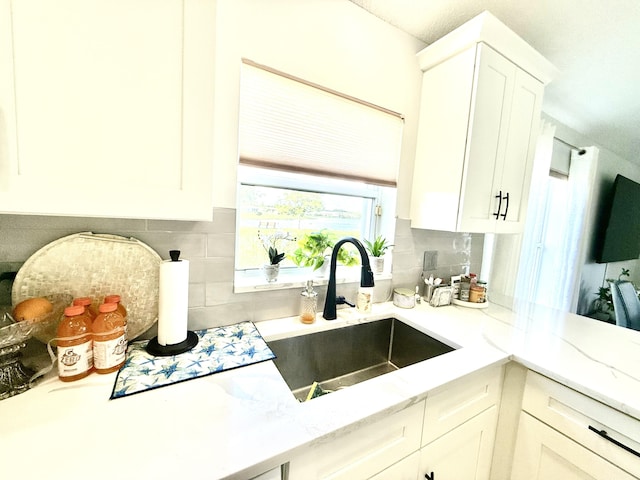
<point>289,124</point>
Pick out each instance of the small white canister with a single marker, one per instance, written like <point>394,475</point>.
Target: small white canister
<point>404,298</point>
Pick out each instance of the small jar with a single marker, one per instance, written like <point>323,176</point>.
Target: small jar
<point>477,292</point>
<point>308,303</point>
<point>465,287</point>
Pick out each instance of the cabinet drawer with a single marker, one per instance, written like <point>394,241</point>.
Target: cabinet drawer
<point>575,415</point>
<point>405,469</point>
<point>543,453</point>
<point>455,403</point>
<point>364,452</point>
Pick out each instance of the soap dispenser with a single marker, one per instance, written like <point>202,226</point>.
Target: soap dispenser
<point>308,303</point>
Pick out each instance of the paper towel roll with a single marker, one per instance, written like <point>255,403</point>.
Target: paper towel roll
<point>173,302</point>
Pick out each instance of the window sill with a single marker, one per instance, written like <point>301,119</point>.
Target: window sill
<point>254,281</point>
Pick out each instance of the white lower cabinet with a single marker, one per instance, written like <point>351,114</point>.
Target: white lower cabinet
<point>405,469</point>
<point>451,433</point>
<point>561,435</point>
<point>542,452</point>
<point>362,452</point>
<point>566,435</point>
<point>274,474</point>
<point>463,453</point>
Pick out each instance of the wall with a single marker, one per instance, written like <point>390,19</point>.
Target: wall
<point>209,246</point>
<point>594,275</point>
<point>333,43</point>
<point>457,253</point>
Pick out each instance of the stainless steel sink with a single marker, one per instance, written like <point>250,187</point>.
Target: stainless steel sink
<point>345,356</point>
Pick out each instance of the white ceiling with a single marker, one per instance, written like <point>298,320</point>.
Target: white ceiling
<point>595,44</point>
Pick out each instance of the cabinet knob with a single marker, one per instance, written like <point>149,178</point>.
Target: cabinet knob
<point>431,476</point>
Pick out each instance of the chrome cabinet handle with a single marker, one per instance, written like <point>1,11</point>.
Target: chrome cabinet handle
<point>506,209</point>
<point>499,197</point>
<point>606,436</point>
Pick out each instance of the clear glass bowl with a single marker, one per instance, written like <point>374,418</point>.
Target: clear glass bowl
<point>44,328</point>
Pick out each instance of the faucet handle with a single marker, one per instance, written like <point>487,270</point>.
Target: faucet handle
<point>340,300</point>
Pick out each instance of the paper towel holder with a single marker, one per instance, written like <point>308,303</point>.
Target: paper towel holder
<point>156,349</point>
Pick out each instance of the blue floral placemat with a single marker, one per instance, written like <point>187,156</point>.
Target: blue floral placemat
<point>218,349</point>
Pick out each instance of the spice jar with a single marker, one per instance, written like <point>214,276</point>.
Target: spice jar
<point>477,292</point>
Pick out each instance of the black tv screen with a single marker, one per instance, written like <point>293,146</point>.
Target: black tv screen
<point>621,240</point>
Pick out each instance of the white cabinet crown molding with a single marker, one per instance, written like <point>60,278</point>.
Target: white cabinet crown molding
<point>486,28</point>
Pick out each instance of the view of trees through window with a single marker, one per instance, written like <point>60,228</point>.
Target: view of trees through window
<point>280,217</point>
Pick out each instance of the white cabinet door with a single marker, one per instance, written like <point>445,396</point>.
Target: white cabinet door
<point>463,453</point>
<point>524,125</point>
<point>362,452</point>
<point>486,141</point>
<point>500,146</point>
<point>107,107</point>
<point>542,452</point>
<point>479,119</point>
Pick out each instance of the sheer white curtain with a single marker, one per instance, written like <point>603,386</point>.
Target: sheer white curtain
<point>553,246</point>
<point>531,249</point>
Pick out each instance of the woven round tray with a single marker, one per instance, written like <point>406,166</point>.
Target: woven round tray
<point>95,265</point>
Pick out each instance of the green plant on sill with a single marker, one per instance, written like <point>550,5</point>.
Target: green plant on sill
<point>314,247</point>
<point>269,243</point>
<point>378,246</point>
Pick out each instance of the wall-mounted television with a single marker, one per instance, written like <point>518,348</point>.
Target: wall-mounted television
<point>620,239</point>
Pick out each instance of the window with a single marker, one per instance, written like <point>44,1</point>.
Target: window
<point>310,160</point>
<point>280,208</point>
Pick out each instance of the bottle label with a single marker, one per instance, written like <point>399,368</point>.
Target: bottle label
<point>75,360</point>
<point>109,353</point>
<point>363,302</point>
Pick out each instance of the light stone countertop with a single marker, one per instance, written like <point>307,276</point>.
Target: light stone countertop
<point>240,423</point>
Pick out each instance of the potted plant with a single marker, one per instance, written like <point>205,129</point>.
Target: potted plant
<point>314,250</point>
<point>603,305</point>
<point>377,249</point>
<point>269,243</point>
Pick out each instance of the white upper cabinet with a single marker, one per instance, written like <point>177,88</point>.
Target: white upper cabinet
<point>106,107</point>
<point>479,116</point>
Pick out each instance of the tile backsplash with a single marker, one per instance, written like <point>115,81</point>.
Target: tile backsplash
<point>210,246</point>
